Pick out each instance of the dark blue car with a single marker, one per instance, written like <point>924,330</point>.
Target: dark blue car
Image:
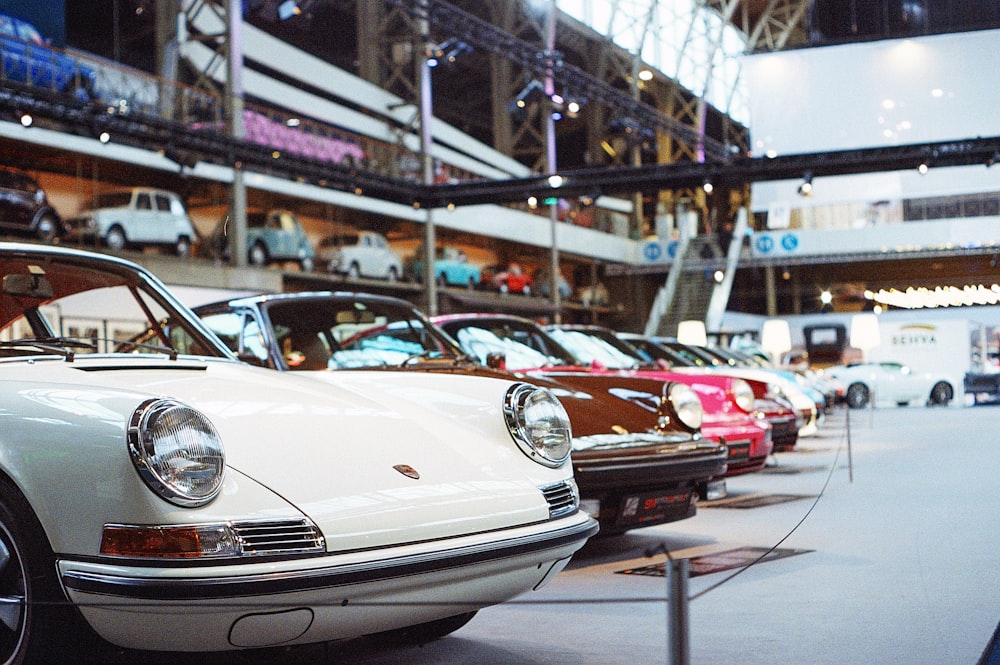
<point>26,57</point>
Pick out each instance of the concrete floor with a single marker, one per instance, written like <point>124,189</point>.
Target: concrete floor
<point>902,565</point>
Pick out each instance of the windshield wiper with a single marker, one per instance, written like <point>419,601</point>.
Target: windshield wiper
<point>131,347</point>
<point>62,346</point>
<point>416,356</point>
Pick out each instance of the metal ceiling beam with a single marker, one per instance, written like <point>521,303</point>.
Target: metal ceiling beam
<point>485,36</point>
<point>153,133</point>
<point>739,171</point>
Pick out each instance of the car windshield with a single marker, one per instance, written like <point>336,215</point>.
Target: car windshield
<point>589,349</point>
<point>480,343</point>
<point>523,346</point>
<point>64,303</point>
<point>351,333</point>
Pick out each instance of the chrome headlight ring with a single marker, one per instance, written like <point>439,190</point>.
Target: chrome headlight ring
<point>743,395</point>
<point>177,452</point>
<point>686,404</point>
<point>538,423</point>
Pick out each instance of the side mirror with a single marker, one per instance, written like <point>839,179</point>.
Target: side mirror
<point>496,360</point>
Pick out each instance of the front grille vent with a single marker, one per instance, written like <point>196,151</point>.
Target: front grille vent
<point>562,498</point>
<point>279,537</point>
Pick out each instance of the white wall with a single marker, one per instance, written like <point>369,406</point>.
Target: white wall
<point>885,93</point>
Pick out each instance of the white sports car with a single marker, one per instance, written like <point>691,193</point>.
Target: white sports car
<point>890,384</point>
<point>173,498</point>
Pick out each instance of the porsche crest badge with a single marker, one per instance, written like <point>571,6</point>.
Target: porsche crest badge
<point>407,471</point>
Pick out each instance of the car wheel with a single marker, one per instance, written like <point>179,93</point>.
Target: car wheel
<point>257,255</point>
<point>472,284</point>
<point>504,287</point>
<point>306,265</point>
<point>425,632</point>
<point>393,274</point>
<point>183,247</point>
<point>441,281</point>
<point>47,229</point>
<point>115,239</point>
<point>36,622</point>
<point>857,395</point>
<point>526,290</point>
<point>941,393</point>
<point>353,271</point>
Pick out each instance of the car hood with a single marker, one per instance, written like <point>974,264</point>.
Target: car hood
<point>598,405</point>
<point>332,448</point>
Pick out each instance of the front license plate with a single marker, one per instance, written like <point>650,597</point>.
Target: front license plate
<point>653,507</point>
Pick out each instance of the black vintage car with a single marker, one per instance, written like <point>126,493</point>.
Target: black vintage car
<point>638,455</point>
<point>25,209</point>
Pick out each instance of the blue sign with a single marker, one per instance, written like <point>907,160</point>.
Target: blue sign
<point>765,244</point>
<point>652,251</point>
<point>790,241</point>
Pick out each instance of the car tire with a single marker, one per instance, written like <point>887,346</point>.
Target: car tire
<point>306,265</point>
<point>441,281</point>
<point>353,271</point>
<point>39,624</point>
<point>393,275</point>
<point>941,394</point>
<point>47,228</point>
<point>423,633</point>
<point>257,256</point>
<point>183,247</point>
<point>115,239</point>
<point>858,396</point>
<point>472,284</point>
<point>526,290</point>
<point>504,287</point>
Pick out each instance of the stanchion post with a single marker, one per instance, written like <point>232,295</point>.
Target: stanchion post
<point>850,459</point>
<point>677,611</point>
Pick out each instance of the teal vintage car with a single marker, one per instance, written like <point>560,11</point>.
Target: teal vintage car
<point>451,268</point>
<point>273,236</point>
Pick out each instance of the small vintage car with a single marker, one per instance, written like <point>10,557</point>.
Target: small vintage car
<point>638,455</point>
<point>510,278</point>
<point>25,208</point>
<point>451,268</point>
<point>135,217</point>
<point>168,497</point>
<point>359,254</point>
<point>273,236</point>
<point>26,57</point>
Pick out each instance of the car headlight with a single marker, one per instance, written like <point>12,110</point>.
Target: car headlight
<point>687,405</point>
<point>539,424</point>
<point>176,451</point>
<point>743,395</point>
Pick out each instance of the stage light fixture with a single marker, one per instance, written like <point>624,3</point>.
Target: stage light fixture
<point>518,106</point>
<point>806,186</point>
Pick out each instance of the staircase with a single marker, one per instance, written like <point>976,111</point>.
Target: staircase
<point>691,291</point>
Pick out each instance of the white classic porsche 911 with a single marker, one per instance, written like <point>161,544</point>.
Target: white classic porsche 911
<point>173,498</point>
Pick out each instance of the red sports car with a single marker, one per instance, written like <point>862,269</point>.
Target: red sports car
<point>512,279</point>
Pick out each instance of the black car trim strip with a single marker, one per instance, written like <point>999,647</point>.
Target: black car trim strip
<point>335,576</point>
